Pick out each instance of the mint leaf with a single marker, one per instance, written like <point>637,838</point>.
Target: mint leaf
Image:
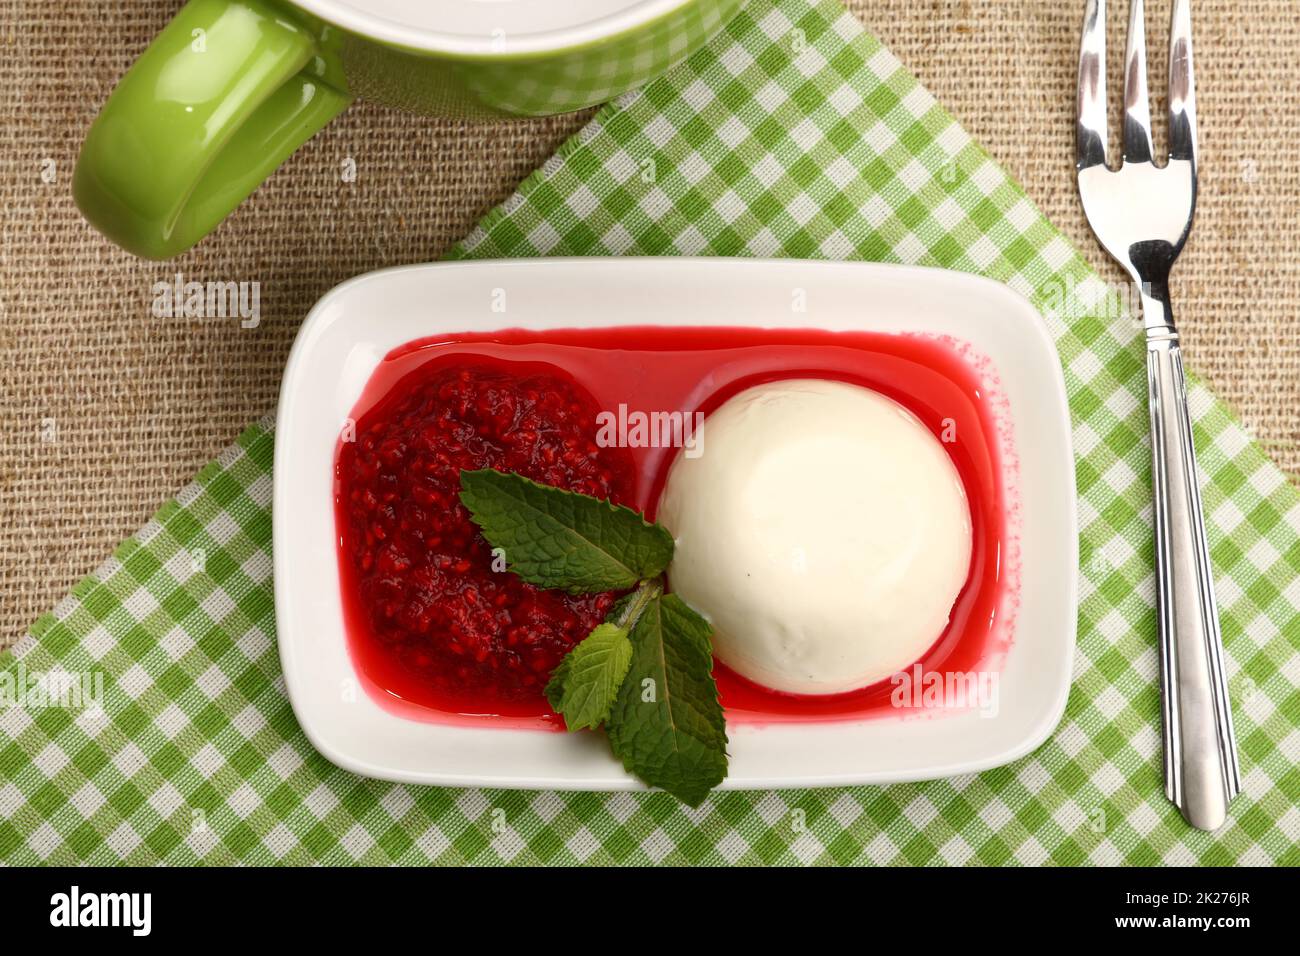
<point>667,725</point>
<point>559,539</point>
<point>559,677</point>
<point>586,683</point>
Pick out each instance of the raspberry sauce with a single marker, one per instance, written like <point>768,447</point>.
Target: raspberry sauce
<point>432,621</point>
<point>436,633</point>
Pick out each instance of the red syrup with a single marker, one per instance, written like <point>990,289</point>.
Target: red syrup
<point>662,369</point>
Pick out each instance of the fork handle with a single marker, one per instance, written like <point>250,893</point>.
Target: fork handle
<point>1201,771</point>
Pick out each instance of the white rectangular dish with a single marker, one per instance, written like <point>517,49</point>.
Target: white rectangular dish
<point>355,325</point>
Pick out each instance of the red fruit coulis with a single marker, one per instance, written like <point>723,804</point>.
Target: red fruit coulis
<point>438,632</point>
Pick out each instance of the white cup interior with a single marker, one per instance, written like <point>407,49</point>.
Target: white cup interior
<point>484,26</point>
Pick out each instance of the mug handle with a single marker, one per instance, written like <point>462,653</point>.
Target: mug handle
<point>225,93</point>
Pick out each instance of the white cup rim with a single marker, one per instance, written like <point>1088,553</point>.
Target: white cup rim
<point>632,15</point>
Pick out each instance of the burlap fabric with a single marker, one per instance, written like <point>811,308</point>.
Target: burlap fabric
<point>107,410</point>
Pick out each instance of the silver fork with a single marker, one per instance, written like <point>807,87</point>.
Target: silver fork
<point>1141,214</point>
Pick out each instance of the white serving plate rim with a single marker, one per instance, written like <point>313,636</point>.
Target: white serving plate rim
<point>811,755</point>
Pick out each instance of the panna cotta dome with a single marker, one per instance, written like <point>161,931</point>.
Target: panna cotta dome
<point>823,531</point>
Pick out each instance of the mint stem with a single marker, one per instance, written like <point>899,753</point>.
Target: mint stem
<point>646,592</point>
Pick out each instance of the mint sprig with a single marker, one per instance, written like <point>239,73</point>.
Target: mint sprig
<point>560,539</point>
<point>667,725</point>
<point>645,673</point>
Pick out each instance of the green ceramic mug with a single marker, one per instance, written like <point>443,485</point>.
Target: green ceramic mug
<point>231,88</point>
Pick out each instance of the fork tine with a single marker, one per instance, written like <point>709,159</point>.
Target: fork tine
<point>1182,84</point>
<point>1090,126</point>
<point>1137,106</point>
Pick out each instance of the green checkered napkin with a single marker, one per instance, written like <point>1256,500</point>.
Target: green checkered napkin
<point>793,134</point>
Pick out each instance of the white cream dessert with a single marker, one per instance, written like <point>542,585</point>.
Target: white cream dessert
<point>824,532</point>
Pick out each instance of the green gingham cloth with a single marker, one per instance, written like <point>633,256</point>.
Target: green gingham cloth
<point>793,134</point>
